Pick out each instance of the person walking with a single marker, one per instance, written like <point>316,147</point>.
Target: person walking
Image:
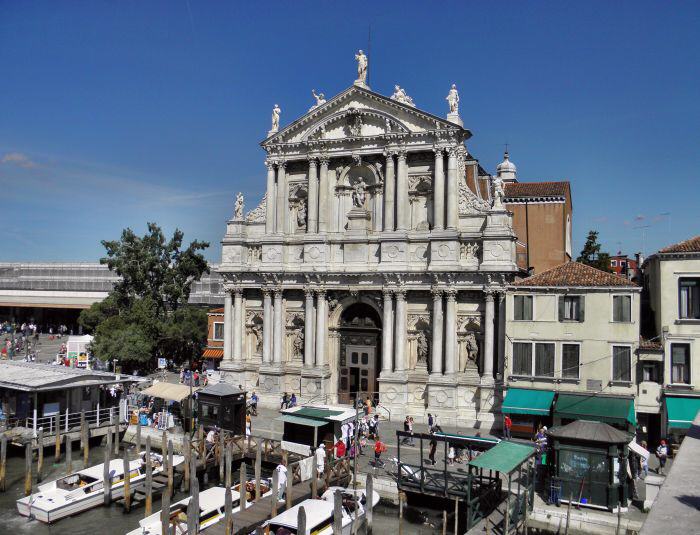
<point>320,459</point>
<point>431,422</point>
<point>410,430</point>
<point>379,448</point>
<point>340,449</point>
<point>282,479</point>
<point>662,456</point>
<point>433,448</point>
<point>507,424</point>
<point>644,461</point>
<point>406,428</point>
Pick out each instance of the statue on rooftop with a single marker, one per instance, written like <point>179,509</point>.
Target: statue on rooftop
<point>238,207</point>
<point>320,99</point>
<point>276,111</point>
<point>453,99</point>
<point>361,68</point>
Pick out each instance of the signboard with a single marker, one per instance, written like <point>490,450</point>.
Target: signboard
<point>83,360</point>
<point>295,447</point>
<point>162,363</point>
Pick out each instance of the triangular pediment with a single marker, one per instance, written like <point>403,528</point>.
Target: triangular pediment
<point>359,112</point>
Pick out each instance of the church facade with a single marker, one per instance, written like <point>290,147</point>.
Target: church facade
<point>375,264</point>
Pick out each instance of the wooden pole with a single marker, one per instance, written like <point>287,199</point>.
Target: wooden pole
<point>193,472</point>
<point>138,435</point>
<point>171,475</point>
<point>275,491</point>
<point>222,454</point>
<point>568,512</point>
<point>57,454</point>
<point>149,479</point>
<point>191,517</point>
<point>369,490</point>
<point>3,462</point>
<point>258,469</point>
<point>456,516</point>
<point>127,483</point>
<point>85,432</point>
<point>200,441</point>
<point>106,479</point>
<point>187,452</point>
<point>241,490</point>
<point>401,498</point>
<point>301,520</point>
<point>195,501</point>
<point>228,511</point>
<point>69,454</point>
<point>337,513</point>
<point>229,461</point>
<point>165,515</point>
<point>288,489</point>
<point>28,469</point>
<point>164,449</point>
<point>444,522</point>
<point>40,460</point>
<point>314,479</point>
<point>116,440</point>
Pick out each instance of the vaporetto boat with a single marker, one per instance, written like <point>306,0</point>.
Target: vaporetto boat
<point>83,490</point>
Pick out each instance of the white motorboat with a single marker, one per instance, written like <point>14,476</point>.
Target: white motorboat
<point>211,509</point>
<point>319,513</point>
<point>84,490</point>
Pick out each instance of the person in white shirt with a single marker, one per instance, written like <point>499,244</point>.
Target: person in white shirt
<point>211,438</point>
<point>282,478</point>
<point>320,458</point>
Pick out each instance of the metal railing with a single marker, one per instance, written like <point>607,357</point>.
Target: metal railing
<point>68,421</point>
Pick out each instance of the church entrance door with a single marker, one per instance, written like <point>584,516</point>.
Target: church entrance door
<point>361,372</point>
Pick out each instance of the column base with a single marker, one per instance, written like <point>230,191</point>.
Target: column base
<point>233,373</point>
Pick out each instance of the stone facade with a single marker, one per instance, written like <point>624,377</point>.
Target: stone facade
<point>374,265</point>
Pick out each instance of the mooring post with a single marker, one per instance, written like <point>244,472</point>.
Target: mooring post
<point>138,435</point>
<point>401,498</point>
<point>275,491</point>
<point>242,487</point>
<point>82,429</point>
<point>57,453</point>
<point>69,454</point>
<point>195,500</point>
<point>149,478</point>
<point>456,514</point>
<point>301,520</point>
<point>3,462</point>
<point>170,468</point>
<point>186,465</point>
<point>222,454</point>
<point>337,513</point>
<point>165,515</point>
<point>106,479</point>
<point>85,434</point>
<point>40,460</point>
<point>228,511</point>
<point>116,440</point>
<point>229,461</point>
<point>193,472</point>
<point>289,486</point>
<point>258,469</point>
<point>314,479</point>
<point>369,490</point>
<point>191,526</point>
<point>164,449</point>
<point>200,443</point>
<point>127,483</point>
<point>28,469</point>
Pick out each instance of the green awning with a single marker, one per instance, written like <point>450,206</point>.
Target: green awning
<point>611,410</point>
<point>504,457</point>
<point>300,420</point>
<point>313,412</point>
<point>525,401</point>
<point>681,411</point>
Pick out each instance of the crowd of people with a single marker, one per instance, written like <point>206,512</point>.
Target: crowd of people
<point>194,377</point>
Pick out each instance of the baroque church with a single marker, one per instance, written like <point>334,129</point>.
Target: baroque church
<point>375,264</point>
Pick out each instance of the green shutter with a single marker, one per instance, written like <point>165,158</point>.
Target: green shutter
<point>561,308</point>
<point>582,302</point>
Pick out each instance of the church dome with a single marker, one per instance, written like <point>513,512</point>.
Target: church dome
<point>506,169</point>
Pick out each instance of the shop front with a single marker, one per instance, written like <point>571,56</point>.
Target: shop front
<point>528,409</point>
<point>617,411</point>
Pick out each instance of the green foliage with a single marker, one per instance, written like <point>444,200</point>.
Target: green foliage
<point>591,254</point>
<point>146,315</point>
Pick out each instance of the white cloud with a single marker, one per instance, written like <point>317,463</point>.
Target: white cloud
<point>19,159</point>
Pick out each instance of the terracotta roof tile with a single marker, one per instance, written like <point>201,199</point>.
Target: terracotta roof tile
<point>650,345</point>
<point>688,246</point>
<point>536,189</point>
<point>575,274</point>
<point>216,311</point>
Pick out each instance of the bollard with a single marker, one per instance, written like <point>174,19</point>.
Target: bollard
<point>337,513</point>
<point>165,515</point>
<point>275,491</point>
<point>40,460</point>
<point>170,468</point>
<point>28,469</point>
<point>149,478</point>
<point>3,462</point>
<point>258,469</point>
<point>314,480</point>
<point>369,506</point>
<point>127,483</point>
<point>229,461</point>
<point>107,480</point>
<point>301,520</point>
<point>242,487</point>
<point>57,453</point>
<point>69,455</point>
<point>222,454</point>
<point>228,511</point>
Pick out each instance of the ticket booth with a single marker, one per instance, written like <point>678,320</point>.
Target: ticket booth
<point>223,406</point>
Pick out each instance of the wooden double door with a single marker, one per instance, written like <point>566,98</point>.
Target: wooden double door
<point>359,367</point>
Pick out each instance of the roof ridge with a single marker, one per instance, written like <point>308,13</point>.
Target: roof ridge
<point>575,273</point>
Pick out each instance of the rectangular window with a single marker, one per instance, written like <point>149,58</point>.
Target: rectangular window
<point>613,263</point>
<point>218,331</point>
<point>689,298</point>
<point>622,308</point>
<point>523,307</point>
<point>680,363</point>
<point>571,308</point>
<point>649,373</point>
<point>622,363</point>
<point>544,360</point>
<point>570,359</point>
<point>522,358</point>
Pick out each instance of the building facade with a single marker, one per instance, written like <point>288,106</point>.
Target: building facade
<point>624,266</point>
<point>375,264</point>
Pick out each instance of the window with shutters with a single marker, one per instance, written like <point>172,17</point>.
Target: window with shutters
<point>544,360</point>
<point>218,331</point>
<point>622,308</point>
<point>689,298</point>
<point>680,363</point>
<point>570,360</point>
<point>522,305</point>
<point>522,358</point>
<point>622,363</point>
<point>571,308</point>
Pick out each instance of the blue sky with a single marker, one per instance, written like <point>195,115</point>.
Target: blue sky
<point>117,113</point>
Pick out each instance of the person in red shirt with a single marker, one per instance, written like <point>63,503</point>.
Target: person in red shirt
<point>507,424</point>
<point>339,449</point>
<point>379,448</point>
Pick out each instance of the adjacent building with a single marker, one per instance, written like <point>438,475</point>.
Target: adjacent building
<point>624,266</point>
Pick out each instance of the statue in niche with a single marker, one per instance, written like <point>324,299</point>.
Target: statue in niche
<point>472,350</point>
<point>358,194</point>
<point>362,62</point>
<point>238,207</point>
<point>301,215</point>
<point>470,251</point>
<point>320,99</point>
<point>453,99</point>
<point>257,333</point>
<point>276,111</point>
<point>298,342</point>
<point>356,125</point>
<point>422,346</point>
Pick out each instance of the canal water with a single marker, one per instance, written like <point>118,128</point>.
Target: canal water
<point>112,520</point>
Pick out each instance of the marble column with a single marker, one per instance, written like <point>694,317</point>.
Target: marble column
<point>389,189</point>
<point>400,342</point>
<point>488,337</point>
<point>387,332</point>
<point>451,332</point>
<point>323,197</point>
<point>282,199</point>
<point>402,203</point>
<point>238,325</point>
<point>312,213</point>
<point>279,329</point>
<point>436,361</point>
<point>309,327</point>
<point>228,326</point>
<point>270,201</point>
<point>267,326</point>
<point>321,334</point>
<point>452,189</point>
<point>439,190</point>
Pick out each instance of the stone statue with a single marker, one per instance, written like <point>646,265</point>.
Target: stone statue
<point>257,332</point>
<point>470,251</point>
<point>422,346</point>
<point>276,111</point>
<point>238,207</point>
<point>320,99</point>
<point>301,215</point>
<point>498,192</point>
<point>361,68</point>
<point>401,96</point>
<point>358,195</point>
<point>472,350</point>
<point>453,99</point>
<point>298,342</point>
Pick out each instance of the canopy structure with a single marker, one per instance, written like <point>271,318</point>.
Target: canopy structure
<point>504,457</point>
<point>526,401</point>
<point>613,410</point>
<point>681,411</point>
<point>169,391</point>
<point>301,420</point>
<point>213,353</point>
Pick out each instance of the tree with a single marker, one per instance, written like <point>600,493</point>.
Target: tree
<point>591,255</point>
<point>146,315</point>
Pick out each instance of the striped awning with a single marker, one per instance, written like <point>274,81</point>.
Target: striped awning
<point>213,353</point>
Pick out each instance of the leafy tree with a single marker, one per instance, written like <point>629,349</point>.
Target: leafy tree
<point>146,315</point>
<point>591,255</point>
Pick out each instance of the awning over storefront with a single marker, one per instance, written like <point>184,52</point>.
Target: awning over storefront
<point>169,391</point>
<point>213,353</point>
<point>681,411</point>
<point>504,457</point>
<point>525,401</point>
<point>611,410</point>
<point>300,420</point>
